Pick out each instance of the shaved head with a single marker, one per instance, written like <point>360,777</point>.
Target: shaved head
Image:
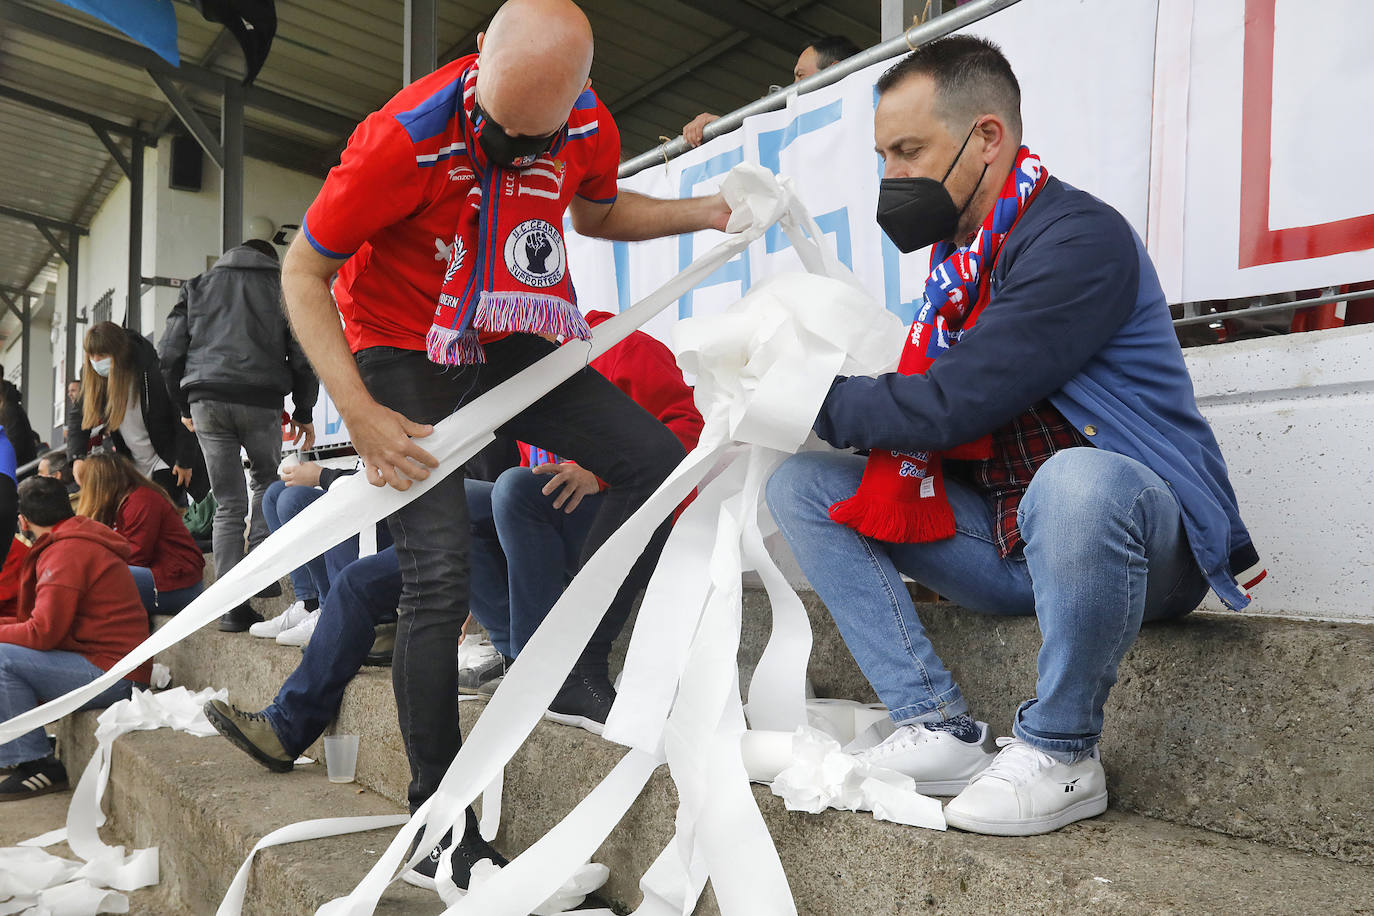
<point>535,60</point>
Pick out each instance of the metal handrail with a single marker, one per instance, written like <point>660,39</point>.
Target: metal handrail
<point>917,35</point>
<point>1277,307</point>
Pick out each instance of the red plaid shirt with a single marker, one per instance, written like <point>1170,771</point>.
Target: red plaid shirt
<point>1018,450</point>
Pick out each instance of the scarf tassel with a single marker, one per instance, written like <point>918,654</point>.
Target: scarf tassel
<point>452,347</point>
<point>896,521</point>
<point>524,313</point>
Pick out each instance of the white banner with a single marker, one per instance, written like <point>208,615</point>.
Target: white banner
<point>1086,113</point>
<point>1215,128</point>
<point>1259,164</point>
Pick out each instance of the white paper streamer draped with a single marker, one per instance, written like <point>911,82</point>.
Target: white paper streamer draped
<point>762,371</point>
<point>53,885</point>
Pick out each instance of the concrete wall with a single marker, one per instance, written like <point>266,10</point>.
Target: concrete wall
<point>1295,419</point>
<point>180,239</point>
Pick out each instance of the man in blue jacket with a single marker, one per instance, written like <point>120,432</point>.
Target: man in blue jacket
<point>1039,451</point>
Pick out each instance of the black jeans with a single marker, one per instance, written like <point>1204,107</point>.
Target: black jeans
<point>586,419</point>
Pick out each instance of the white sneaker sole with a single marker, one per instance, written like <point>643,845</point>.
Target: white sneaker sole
<point>1079,810</point>
<point>591,725</point>
<point>943,788</point>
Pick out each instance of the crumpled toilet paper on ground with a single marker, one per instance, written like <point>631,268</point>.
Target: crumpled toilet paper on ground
<point>822,776</point>
<point>36,883</point>
<point>586,879</point>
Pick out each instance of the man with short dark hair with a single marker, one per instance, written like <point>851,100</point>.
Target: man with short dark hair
<point>78,614</point>
<point>57,465</point>
<point>1038,451</point>
<point>815,57</point>
<point>228,358</point>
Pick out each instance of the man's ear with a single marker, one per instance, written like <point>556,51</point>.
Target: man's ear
<point>994,133</point>
<point>480,36</point>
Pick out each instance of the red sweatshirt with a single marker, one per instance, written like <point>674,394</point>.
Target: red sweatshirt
<point>159,540</point>
<point>647,371</point>
<point>76,594</point>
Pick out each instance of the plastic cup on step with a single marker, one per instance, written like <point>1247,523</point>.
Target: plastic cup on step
<point>341,757</point>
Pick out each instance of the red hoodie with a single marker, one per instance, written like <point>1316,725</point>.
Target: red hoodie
<point>76,594</point>
<point>159,540</point>
<point>647,371</point>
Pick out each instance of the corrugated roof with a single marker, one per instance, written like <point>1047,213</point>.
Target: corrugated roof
<point>657,66</point>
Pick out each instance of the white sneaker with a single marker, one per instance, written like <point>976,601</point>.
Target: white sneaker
<point>939,763</point>
<point>1026,791</point>
<point>300,634</point>
<point>476,652</point>
<point>271,629</point>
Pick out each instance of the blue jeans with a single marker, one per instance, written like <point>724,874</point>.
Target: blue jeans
<point>364,593</point>
<point>489,601</point>
<point>311,581</point>
<point>1104,550</point>
<point>168,602</point>
<point>543,549</point>
<point>29,678</point>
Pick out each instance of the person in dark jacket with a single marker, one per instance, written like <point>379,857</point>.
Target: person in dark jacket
<point>16,421</point>
<point>124,400</point>
<point>228,359</point>
<point>1039,452</point>
<point>78,614</point>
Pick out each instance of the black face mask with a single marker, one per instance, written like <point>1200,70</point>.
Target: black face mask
<point>504,150</point>
<point>916,212</point>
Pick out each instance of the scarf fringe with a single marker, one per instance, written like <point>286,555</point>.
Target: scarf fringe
<point>896,521</point>
<point>529,313</point>
<point>451,347</point>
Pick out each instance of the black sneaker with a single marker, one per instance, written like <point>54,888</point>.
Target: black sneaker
<point>584,700</point>
<point>239,619</point>
<point>481,679</point>
<point>383,646</point>
<point>33,778</point>
<point>472,850</point>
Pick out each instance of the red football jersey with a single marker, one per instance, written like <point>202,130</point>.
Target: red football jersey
<point>391,205</point>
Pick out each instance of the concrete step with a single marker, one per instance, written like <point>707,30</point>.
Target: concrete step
<point>1254,727</point>
<point>206,804</point>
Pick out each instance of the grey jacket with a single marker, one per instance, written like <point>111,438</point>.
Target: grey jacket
<point>227,339</point>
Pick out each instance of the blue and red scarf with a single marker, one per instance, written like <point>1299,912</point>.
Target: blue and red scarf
<point>508,267</point>
<point>901,498</point>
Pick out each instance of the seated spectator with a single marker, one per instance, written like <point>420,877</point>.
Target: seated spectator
<point>79,613</point>
<point>57,465</point>
<point>15,421</point>
<point>166,562</point>
<point>815,57</point>
<point>9,579</point>
<point>300,485</point>
<point>539,517</point>
<point>124,399</point>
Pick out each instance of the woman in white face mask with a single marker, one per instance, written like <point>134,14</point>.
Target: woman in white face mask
<point>124,400</point>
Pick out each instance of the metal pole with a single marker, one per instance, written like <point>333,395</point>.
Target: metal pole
<point>231,175</point>
<point>73,274</point>
<point>421,40</point>
<point>133,314</point>
<point>24,350</point>
<point>1277,307</point>
<point>937,27</point>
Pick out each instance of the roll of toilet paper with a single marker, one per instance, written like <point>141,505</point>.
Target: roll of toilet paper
<point>834,717</point>
<point>766,753</point>
<point>868,714</point>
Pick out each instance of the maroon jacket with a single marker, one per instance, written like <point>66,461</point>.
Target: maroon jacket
<point>159,540</point>
<point>76,594</point>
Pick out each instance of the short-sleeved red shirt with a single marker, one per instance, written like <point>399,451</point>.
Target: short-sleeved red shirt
<point>391,205</point>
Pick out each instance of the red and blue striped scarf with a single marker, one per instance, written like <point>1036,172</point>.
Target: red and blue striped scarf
<point>508,267</point>
<point>901,498</point>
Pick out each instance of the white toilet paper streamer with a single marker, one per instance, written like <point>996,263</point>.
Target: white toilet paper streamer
<point>775,370</point>
<point>39,882</point>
